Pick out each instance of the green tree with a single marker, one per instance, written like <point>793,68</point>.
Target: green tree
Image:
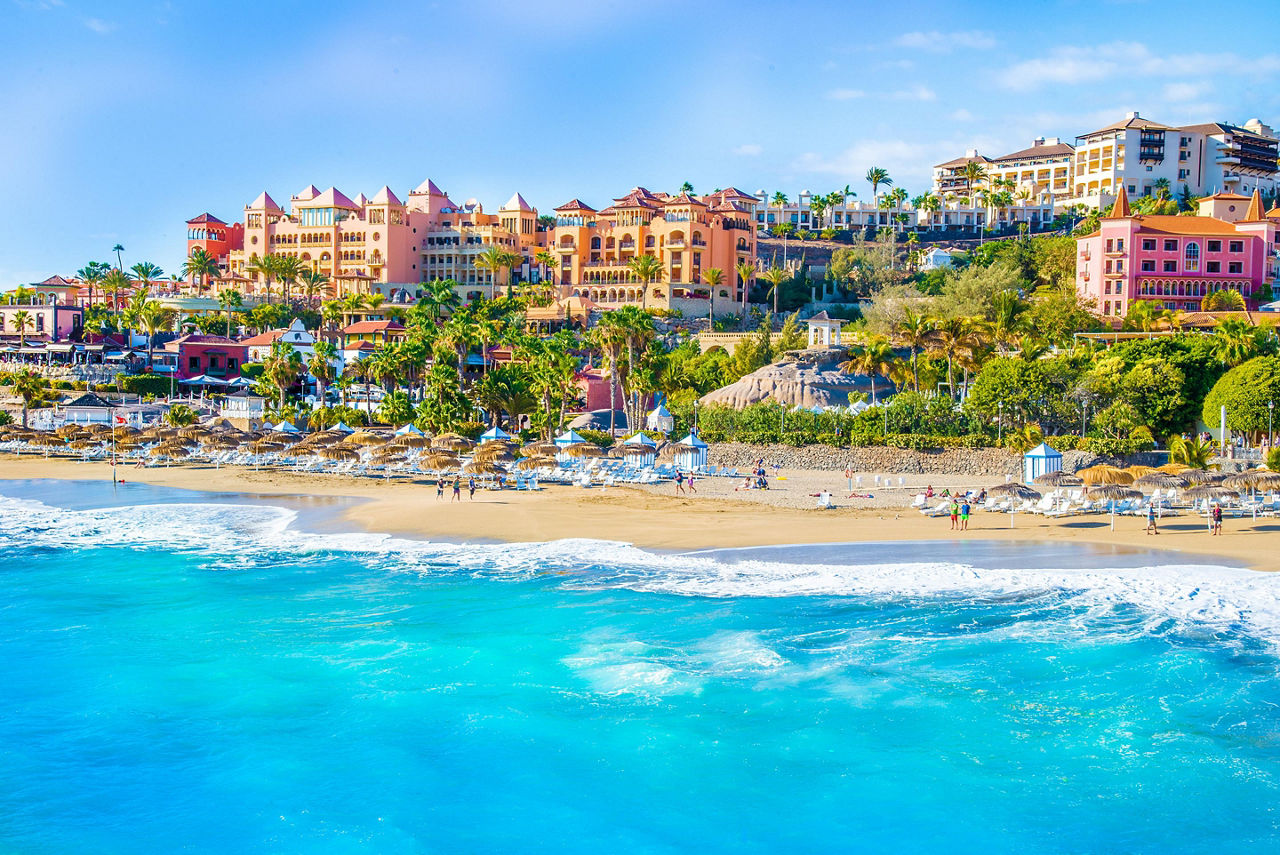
<point>1236,341</point>
<point>1245,391</point>
<point>1224,300</point>
<point>775,276</point>
<point>713,277</point>
<point>1154,388</point>
<point>497,261</point>
<point>154,317</point>
<point>871,357</point>
<point>180,415</point>
<point>200,267</point>
<point>228,299</point>
<point>323,366</point>
<point>281,368</point>
<point>877,176</point>
<point>30,388</point>
<point>648,269</point>
<point>22,319</point>
<point>1195,451</point>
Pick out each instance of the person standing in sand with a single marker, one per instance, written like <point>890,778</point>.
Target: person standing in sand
<point>955,515</point>
<point>471,489</point>
<point>457,490</point>
<point>964,515</point>
<point>439,489</point>
<point>679,482</point>
<point>690,484</point>
<point>1152,526</point>
<point>848,477</point>
<point>1216,518</point>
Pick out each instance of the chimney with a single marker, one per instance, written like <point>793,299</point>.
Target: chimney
<point>1133,115</point>
<point>1037,142</point>
<point>972,152</point>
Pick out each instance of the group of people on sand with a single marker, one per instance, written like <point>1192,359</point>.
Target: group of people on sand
<point>683,481</point>
<point>1215,520</point>
<point>457,489</point>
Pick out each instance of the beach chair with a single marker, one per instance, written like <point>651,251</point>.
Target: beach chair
<point>918,501</point>
<point>824,501</point>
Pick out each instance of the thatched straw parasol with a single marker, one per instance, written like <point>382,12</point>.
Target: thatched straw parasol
<point>1157,480</point>
<point>366,438</point>
<point>540,449</point>
<point>527,463</point>
<point>99,430</point>
<point>1104,474</point>
<point>47,440</point>
<point>439,461</point>
<point>339,453</point>
<point>1113,492</point>
<point>83,444</point>
<point>1014,490</point>
<point>1255,479</point>
<point>69,431</point>
<point>410,440</point>
<point>124,430</point>
<point>1202,476</point>
<point>482,467</point>
<point>1173,468</point>
<point>1056,479</point>
<point>1138,471</point>
<point>583,449</point>
<point>298,450</point>
<point>265,446</point>
<point>1213,492</point>
<point>195,432</point>
<point>176,451</point>
<point>452,442</point>
<point>494,455</point>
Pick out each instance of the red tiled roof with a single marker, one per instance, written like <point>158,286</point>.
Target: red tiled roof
<point>1052,150</point>
<point>56,282</point>
<point>575,205</point>
<point>371,326</point>
<point>208,218</point>
<point>268,337</point>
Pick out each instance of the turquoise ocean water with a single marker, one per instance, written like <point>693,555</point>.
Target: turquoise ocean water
<point>188,673</point>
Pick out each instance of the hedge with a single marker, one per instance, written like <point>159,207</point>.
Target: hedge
<point>144,384</point>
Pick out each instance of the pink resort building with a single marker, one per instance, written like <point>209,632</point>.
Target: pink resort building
<point>46,311</point>
<point>214,355</point>
<point>688,234</point>
<point>1177,261</point>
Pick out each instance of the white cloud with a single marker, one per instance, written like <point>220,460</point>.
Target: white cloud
<point>1093,64</point>
<point>940,42</point>
<point>1184,91</point>
<point>961,115</point>
<point>845,94</point>
<point>916,93</point>
<point>748,150</point>
<point>99,26</point>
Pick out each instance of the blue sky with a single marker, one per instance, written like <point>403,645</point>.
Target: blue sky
<point>124,119</point>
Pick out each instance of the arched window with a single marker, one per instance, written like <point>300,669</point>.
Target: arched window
<point>595,243</point>
<point>1191,258</point>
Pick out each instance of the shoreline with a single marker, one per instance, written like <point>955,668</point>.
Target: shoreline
<point>658,520</point>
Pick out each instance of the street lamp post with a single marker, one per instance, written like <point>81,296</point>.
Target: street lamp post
<point>999,421</point>
<point>1271,409</point>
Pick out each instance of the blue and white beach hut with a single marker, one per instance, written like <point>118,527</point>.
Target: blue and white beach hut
<point>691,453</point>
<point>1040,460</point>
<point>494,433</point>
<point>342,427</point>
<point>286,427</point>
<point>407,430</point>
<point>564,440</point>
<point>641,449</point>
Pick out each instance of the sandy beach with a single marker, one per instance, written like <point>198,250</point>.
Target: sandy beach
<point>716,516</point>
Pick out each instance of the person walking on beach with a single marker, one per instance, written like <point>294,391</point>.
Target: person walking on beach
<point>964,515</point>
<point>1216,517</point>
<point>457,490</point>
<point>679,482</point>
<point>1152,527</point>
<point>439,489</point>
<point>471,489</point>
<point>848,476</point>
<point>955,515</point>
<point>690,484</point>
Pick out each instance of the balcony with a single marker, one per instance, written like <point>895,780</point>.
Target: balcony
<point>675,244</point>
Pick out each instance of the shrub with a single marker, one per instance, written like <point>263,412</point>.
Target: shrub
<point>471,430</point>
<point>144,384</point>
<point>599,437</point>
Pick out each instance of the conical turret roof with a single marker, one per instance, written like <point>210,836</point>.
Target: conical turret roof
<point>385,197</point>
<point>264,202</point>
<point>1121,208</point>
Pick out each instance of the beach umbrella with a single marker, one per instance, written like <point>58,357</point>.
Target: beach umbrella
<point>540,449</point>
<point>1173,468</point>
<point>439,461</point>
<point>583,449</point>
<point>408,429</point>
<point>482,467</point>
<point>1157,480</point>
<point>495,456</point>
<point>528,463</point>
<point>265,446</point>
<point>82,444</point>
<point>1256,479</point>
<point>1014,490</point>
<point>339,453</point>
<point>1212,492</point>
<point>1113,493</point>
<point>452,442</point>
<point>1138,471</point>
<point>1058,478</point>
<point>1104,474</point>
<point>298,450</point>
<point>284,437</point>
<point>122,431</point>
<point>1202,476</point>
<point>99,429</point>
<point>365,437</point>
<point>69,431</point>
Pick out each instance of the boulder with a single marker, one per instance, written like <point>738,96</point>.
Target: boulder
<point>804,378</point>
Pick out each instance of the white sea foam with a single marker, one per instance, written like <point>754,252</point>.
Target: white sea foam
<point>1208,598</point>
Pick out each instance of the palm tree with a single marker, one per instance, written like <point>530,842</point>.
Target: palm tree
<point>1224,300</point>
<point>875,177</point>
<point>648,269</point>
<point>1194,452</point>
<point>609,338</point>
<point>1006,306</point>
<point>91,276</point>
<point>952,340</point>
<point>281,367</point>
<point>146,274</point>
<point>775,276</point>
<point>872,357</point>
<point>115,282</point>
<point>914,333</point>
<point>288,269</point>
<point>22,319</point>
<point>153,316</point>
<point>714,277</point>
<point>779,201</point>
<point>974,174</point>
<point>313,282</point>
<point>495,260</point>
<point>1235,341</point>
<point>548,262</point>
<point>1161,188</point>
<point>30,388</point>
<point>745,270</point>
<point>264,267</point>
<point>117,249</point>
<point>441,294</point>
<point>200,266</point>
<point>228,299</point>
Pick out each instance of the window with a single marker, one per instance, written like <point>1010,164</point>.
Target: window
<point>1119,265</point>
<point>1108,266</point>
<point>1170,246</point>
<point>1170,266</point>
<point>1110,245</point>
<point>40,323</point>
<point>1106,287</point>
<point>1191,258</point>
<point>1235,267</point>
<point>213,362</point>
<point>1236,246</point>
<point>1149,266</point>
<point>1119,244</point>
<point>1214,246</point>
<point>193,363</point>
<point>1149,244</point>
<point>231,363</point>
<point>1213,267</point>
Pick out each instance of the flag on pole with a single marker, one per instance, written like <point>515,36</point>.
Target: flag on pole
<point>121,420</point>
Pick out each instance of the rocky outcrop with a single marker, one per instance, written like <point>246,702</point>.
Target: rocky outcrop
<point>805,378</point>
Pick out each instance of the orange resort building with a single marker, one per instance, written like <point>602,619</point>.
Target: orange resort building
<point>688,235</point>
<point>380,245</point>
<point>1177,261</point>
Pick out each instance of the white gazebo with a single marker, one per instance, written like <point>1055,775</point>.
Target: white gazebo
<point>1039,461</point>
<point>692,453</point>
<point>569,437</point>
<point>824,330</point>
<point>660,419</point>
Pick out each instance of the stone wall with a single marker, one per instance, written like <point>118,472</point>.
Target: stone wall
<point>991,462</point>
